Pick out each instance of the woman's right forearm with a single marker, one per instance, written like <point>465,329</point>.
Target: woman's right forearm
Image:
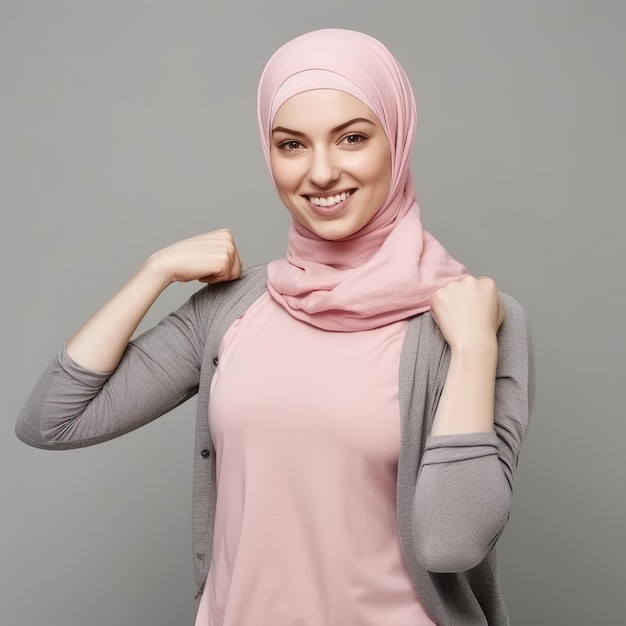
<point>210,257</point>
<point>101,341</point>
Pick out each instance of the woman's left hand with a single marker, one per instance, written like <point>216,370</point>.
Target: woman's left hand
<point>467,312</point>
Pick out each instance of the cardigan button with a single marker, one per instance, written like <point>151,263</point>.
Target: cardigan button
<point>215,361</point>
<point>205,454</point>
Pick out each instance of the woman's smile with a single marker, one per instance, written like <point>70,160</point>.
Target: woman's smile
<point>330,200</point>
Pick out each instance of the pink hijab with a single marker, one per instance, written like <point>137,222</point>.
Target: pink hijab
<point>388,270</point>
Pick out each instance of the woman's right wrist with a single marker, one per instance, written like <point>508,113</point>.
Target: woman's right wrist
<point>155,271</point>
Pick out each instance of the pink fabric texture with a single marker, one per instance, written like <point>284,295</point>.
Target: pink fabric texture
<point>306,528</point>
<point>388,270</point>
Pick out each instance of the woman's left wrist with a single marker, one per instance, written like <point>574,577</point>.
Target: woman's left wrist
<point>477,346</point>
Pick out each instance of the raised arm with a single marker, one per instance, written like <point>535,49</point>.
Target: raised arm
<point>99,385</point>
<point>469,315</point>
<point>101,341</point>
<point>463,493</point>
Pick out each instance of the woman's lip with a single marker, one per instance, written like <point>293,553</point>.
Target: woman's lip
<point>329,211</point>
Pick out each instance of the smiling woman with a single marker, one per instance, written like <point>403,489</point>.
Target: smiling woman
<point>330,161</point>
<point>361,401</point>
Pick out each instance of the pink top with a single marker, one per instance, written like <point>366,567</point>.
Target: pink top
<point>306,429</point>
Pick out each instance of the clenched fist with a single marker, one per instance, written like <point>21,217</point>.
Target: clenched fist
<point>467,312</point>
<point>210,258</point>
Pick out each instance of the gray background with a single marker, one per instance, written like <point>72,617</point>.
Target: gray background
<point>125,125</point>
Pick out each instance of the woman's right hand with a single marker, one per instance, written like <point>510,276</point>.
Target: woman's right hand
<point>210,258</point>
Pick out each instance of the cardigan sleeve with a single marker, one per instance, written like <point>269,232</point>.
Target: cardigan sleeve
<point>72,407</point>
<point>463,491</point>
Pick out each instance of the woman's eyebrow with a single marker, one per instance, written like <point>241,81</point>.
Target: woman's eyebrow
<point>297,133</point>
<point>350,122</point>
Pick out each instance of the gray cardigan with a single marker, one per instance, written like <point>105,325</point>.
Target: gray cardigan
<point>453,491</point>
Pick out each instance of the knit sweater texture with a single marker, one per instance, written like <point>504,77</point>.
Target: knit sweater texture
<point>453,491</point>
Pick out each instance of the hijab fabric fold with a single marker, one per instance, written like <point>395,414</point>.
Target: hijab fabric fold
<point>389,269</point>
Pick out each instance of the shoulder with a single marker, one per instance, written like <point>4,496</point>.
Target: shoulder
<point>512,308</point>
<point>252,282</point>
<point>425,338</point>
<point>217,306</point>
<point>514,329</point>
<point>251,278</point>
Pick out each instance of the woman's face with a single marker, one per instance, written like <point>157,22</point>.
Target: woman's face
<point>331,162</point>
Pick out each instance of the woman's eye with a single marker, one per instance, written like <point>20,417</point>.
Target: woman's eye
<point>290,145</point>
<point>353,139</point>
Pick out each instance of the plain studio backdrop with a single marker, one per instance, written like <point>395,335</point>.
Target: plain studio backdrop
<point>126,125</point>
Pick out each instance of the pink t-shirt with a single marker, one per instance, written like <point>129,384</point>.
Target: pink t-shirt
<point>306,429</point>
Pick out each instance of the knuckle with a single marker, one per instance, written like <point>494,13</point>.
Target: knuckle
<point>222,234</point>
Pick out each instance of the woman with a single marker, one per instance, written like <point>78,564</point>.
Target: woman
<point>366,397</point>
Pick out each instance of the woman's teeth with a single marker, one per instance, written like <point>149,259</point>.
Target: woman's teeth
<point>330,200</point>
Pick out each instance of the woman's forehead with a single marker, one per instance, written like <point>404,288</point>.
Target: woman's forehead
<point>322,107</point>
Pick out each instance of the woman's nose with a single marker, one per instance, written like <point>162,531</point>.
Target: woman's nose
<point>322,171</point>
